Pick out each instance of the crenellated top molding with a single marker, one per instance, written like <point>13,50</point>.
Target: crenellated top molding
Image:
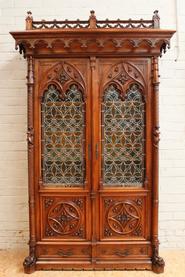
<point>117,37</point>
<point>92,23</point>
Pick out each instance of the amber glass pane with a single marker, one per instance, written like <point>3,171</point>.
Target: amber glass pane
<point>123,138</point>
<point>63,137</point>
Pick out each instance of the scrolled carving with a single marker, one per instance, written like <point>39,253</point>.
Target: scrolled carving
<point>139,202</point>
<point>156,137</point>
<point>107,232</point>
<point>48,202</point>
<point>30,136</point>
<point>138,231</point>
<point>108,202</point>
<point>86,251</point>
<point>123,253</point>
<point>29,261</point>
<point>65,253</point>
<point>157,262</point>
<point>49,232</point>
<point>79,202</point>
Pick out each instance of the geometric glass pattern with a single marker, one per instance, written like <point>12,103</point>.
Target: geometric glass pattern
<point>63,137</point>
<point>123,137</point>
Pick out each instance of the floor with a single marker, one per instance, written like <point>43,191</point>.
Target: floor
<point>11,266</point>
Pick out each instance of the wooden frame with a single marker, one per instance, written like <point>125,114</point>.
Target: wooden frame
<point>92,45</point>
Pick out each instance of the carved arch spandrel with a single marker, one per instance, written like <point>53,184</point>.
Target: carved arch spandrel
<point>63,75</point>
<point>123,74</point>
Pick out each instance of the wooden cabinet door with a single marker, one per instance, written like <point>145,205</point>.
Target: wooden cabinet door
<point>123,177</point>
<point>63,119</point>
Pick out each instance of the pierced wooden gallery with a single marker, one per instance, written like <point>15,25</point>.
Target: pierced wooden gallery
<point>93,135</point>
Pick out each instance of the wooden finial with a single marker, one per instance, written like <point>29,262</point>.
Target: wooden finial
<point>92,20</point>
<point>156,19</point>
<point>29,20</point>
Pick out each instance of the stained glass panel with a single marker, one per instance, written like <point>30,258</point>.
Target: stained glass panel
<point>123,138</point>
<point>63,137</point>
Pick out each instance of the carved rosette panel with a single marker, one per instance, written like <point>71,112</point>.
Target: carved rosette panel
<point>64,218</point>
<point>123,217</point>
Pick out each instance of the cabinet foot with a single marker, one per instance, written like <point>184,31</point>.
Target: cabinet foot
<point>158,264</point>
<point>29,264</point>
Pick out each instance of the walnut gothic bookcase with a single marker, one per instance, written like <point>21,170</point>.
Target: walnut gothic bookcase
<point>93,135</point>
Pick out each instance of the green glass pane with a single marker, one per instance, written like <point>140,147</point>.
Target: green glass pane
<point>123,138</point>
<point>62,137</point>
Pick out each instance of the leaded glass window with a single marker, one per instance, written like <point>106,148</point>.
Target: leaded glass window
<point>123,125</point>
<point>63,137</point>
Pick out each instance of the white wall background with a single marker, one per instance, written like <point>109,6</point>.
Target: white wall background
<point>13,99</point>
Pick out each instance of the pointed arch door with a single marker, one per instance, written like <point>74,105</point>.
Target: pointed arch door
<point>93,167</point>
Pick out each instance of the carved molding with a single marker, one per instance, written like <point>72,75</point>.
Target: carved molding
<point>91,44</point>
<point>63,75</point>
<point>122,75</point>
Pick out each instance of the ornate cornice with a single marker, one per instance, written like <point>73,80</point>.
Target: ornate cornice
<point>118,37</point>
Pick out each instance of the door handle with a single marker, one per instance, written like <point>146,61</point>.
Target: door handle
<point>96,151</point>
<point>89,151</point>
